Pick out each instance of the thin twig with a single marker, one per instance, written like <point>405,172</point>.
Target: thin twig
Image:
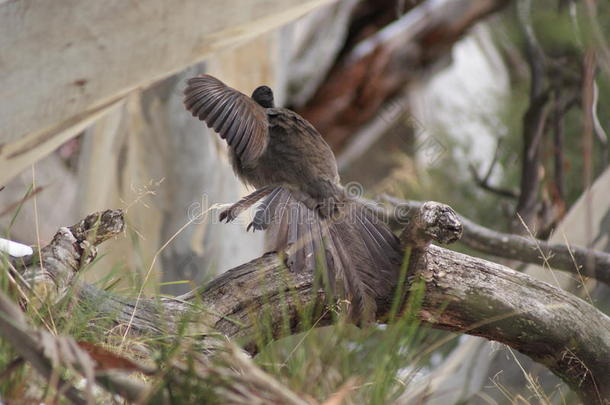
<point>483,182</point>
<point>590,63</point>
<point>597,126</point>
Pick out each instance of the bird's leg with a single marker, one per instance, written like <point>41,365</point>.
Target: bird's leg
<point>246,202</point>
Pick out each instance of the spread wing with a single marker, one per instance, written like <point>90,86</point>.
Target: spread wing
<point>234,116</point>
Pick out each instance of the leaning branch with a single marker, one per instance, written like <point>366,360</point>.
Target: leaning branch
<point>461,293</point>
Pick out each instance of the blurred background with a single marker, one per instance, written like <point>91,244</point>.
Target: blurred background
<point>498,108</point>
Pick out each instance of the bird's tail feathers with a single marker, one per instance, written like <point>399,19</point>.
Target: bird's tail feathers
<point>361,257</point>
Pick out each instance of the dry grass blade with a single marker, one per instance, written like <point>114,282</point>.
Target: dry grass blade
<point>338,397</point>
<point>11,207</point>
<point>251,375</point>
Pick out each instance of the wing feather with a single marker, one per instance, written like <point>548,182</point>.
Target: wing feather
<point>233,115</point>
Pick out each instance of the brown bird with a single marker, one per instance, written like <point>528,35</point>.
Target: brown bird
<point>307,212</point>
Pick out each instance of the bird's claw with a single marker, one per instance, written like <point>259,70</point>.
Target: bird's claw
<point>256,226</point>
<point>227,215</point>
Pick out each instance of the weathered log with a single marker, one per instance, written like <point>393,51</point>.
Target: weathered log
<point>461,293</point>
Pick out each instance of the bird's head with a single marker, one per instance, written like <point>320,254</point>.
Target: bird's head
<point>263,96</point>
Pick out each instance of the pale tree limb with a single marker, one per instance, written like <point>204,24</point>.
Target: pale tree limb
<point>461,293</point>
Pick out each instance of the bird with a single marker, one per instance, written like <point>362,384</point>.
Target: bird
<point>308,215</point>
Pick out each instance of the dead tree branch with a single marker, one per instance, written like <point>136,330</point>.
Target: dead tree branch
<point>483,181</point>
<point>534,122</point>
<point>461,293</point>
<point>572,259</point>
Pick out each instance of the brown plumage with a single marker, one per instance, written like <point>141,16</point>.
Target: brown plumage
<point>305,210</point>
